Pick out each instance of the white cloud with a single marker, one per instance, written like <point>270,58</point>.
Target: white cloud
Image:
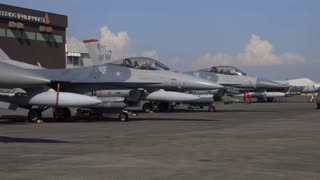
<point>176,63</point>
<point>117,43</point>
<point>257,52</point>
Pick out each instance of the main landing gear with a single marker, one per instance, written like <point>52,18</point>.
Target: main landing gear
<point>35,114</point>
<point>147,107</point>
<point>211,108</point>
<point>123,116</point>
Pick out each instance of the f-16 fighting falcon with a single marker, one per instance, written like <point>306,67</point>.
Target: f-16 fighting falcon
<point>162,99</point>
<point>232,77</point>
<point>37,89</point>
<point>302,85</point>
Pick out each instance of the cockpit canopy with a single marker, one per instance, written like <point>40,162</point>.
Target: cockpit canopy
<point>141,63</point>
<point>228,70</point>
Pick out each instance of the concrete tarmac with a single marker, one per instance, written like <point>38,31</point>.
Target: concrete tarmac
<point>255,141</point>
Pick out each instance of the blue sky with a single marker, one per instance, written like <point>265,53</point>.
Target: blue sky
<point>185,31</point>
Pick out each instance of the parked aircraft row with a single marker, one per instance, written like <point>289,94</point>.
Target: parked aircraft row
<point>111,86</point>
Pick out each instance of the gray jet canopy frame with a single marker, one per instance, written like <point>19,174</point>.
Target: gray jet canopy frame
<point>143,63</point>
<point>228,70</point>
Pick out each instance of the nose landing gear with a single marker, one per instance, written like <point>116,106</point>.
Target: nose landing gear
<point>35,114</point>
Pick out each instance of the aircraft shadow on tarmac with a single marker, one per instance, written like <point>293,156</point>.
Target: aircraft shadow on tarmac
<point>9,119</point>
<point>187,111</point>
<point>171,119</point>
<point>13,119</point>
<point>6,139</point>
<point>249,110</point>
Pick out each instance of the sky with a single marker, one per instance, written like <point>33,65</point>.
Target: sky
<point>276,39</point>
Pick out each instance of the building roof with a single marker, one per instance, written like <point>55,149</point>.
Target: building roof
<point>75,46</point>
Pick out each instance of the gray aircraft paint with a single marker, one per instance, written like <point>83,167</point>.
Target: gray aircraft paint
<point>238,81</point>
<point>15,77</point>
<point>115,76</point>
<point>88,79</point>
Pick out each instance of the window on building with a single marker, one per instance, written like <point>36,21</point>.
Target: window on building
<point>2,32</point>
<point>58,38</point>
<point>49,37</point>
<point>29,35</point>
<point>74,61</point>
<point>21,34</point>
<point>14,33</point>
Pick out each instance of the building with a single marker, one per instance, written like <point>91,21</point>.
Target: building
<point>33,36</point>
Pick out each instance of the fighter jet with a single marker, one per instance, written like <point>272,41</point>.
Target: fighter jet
<point>38,88</point>
<point>302,85</point>
<point>163,100</point>
<point>232,77</point>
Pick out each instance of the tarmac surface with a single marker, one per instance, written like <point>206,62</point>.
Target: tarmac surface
<point>254,141</point>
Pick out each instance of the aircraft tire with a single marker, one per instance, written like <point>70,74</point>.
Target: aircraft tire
<point>34,115</point>
<point>147,107</point>
<point>123,116</point>
<point>318,105</point>
<point>211,109</point>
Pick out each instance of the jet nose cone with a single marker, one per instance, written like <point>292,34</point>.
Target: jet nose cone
<point>267,84</point>
<point>194,83</point>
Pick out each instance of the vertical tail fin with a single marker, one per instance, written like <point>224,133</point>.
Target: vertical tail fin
<point>98,53</point>
<point>3,56</point>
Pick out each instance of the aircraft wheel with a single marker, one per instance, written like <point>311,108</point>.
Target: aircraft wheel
<point>123,116</point>
<point>318,105</point>
<point>34,115</point>
<point>147,107</point>
<point>211,109</point>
